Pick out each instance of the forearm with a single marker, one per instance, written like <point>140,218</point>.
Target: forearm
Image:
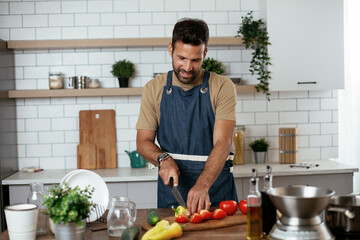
<point>146,147</point>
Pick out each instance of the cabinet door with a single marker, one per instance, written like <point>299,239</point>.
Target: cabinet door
<point>307,44</point>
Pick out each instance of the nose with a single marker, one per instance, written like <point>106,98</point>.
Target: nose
<point>187,66</point>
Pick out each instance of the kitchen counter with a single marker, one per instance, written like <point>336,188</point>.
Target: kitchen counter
<point>145,174</point>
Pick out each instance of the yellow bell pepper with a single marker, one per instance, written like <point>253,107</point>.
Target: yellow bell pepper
<point>163,231</point>
<point>179,210</point>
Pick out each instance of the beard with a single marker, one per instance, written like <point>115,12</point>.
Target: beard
<point>182,79</point>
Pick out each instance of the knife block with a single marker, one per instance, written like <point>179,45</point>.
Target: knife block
<point>288,150</point>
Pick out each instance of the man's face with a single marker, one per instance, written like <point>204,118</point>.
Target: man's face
<point>187,60</point>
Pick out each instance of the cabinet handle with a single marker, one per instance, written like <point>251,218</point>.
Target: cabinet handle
<point>306,82</point>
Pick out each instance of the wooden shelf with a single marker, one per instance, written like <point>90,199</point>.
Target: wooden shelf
<point>95,92</point>
<point>108,43</point>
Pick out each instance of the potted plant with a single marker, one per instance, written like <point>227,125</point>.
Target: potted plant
<point>255,37</point>
<point>260,148</point>
<point>212,65</point>
<point>123,70</point>
<point>68,208</point>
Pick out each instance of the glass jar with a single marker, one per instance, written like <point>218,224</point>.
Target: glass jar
<point>55,81</point>
<point>35,197</point>
<point>93,83</point>
<point>239,145</point>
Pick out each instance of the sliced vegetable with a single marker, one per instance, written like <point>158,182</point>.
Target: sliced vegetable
<point>196,218</point>
<point>153,216</point>
<point>181,219</point>
<point>218,214</point>
<point>164,231</point>
<point>180,210</point>
<point>230,206</point>
<point>206,214</point>
<point>130,233</point>
<point>243,206</point>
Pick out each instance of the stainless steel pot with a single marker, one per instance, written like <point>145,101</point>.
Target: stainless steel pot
<point>343,215</point>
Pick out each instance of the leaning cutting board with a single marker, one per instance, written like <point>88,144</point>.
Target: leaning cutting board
<point>86,153</point>
<point>236,219</point>
<point>102,133</point>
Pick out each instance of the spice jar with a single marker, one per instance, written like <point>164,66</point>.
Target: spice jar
<point>239,145</point>
<point>55,81</point>
<point>93,83</point>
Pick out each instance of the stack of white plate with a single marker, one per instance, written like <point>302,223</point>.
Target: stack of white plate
<point>100,196</point>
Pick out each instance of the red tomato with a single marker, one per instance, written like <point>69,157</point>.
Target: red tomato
<point>218,214</point>
<point>196,218</point>
<point>181,218</point>
<point>243,206</point>
<point>230,207</point>
<point>206,214</point>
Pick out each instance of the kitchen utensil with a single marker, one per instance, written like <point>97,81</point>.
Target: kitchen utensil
<point>236,219</point>
<point>136,160</point>
<point>288,145</point>
<point>343,215</point>
<point>300,208</point>
<point>101,127</point>
<point>177,194</point>
<point>122,214</point>
<point>71,82</point>
<point>86,153</point>
<point>100,195</point>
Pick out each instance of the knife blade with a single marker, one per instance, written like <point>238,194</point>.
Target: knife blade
<point>176,193</point>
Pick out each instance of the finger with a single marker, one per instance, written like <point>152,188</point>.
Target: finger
<point>207,203</point>
<point>200,203</point>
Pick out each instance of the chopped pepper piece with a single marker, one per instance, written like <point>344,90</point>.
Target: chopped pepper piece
<point>163,231</point>
<point>179,210</point>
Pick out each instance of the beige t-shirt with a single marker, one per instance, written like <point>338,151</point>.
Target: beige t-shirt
<point>222,96</point>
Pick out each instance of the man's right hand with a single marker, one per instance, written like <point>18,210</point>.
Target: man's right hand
<point>167,169</point>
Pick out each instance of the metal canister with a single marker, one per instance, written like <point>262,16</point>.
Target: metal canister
<point>80,82</point>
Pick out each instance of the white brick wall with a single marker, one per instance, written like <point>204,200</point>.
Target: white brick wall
<point>48,128</point>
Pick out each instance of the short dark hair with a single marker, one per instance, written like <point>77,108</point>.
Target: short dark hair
<point>190,31</point>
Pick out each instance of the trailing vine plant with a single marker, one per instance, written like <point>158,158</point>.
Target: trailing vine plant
<point>255,36</point>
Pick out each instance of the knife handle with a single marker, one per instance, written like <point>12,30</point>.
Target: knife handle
<point>171,182</point>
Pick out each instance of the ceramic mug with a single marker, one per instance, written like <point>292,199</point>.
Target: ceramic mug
<point>21,221</point>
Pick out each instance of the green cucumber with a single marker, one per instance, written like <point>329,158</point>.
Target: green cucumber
<point>130,233</point>
<point>153,216</point>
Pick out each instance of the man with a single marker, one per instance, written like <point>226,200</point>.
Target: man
<point>192,112</point>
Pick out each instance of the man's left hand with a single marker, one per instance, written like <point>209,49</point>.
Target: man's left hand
<point>198,198</point>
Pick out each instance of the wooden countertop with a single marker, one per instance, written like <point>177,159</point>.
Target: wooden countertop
<point>230,233</point>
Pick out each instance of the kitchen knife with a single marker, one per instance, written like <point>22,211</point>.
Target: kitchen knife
<point>176,193</point>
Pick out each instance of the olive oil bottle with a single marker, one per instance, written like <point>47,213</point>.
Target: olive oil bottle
<point>268,208</point>
<point>254,212</point>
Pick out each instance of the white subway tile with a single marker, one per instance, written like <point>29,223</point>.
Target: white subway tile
<point>123,160</point>
<point>335,116</point>
<point>4,8</point>
<point>113,19</point>
<point>26,112</point>
<point>48,33</point>
<point>308,104</point>
<point>51,137</point>
<point>239,67</point>
<point>229,55</point>
<point>329,104</point>
<point>38,150</point>
<point>28,162</point>
<point>329,128</point>
<point>73,6</point>
<point>22,33</point>
<point>72,136</point>
<point>25,84</point>
<point>116,99</point>
<point>51,111</point>
<point>88,70</point>
<point>89,100</point>
<point>122,122</point>
<point>5,34</point>
<point>174,6</point>
<point>226,30</point>
<point>126,6</point>
<point>27,138</point>
<point>191,14</point>
<point>329,152</point>
<point>25,59</point>
<point>282,105</point>
<point>320,116</point>
<point>202,5</point>
<point>143,70</point>
<point>37,101</point>
<point>126,135</point>
<point>21,152</point>
<point>294,117</point>
<point>320,140</point>
<point>52,162</point>
<point>320,94</point>
<point>49,59</point>
<point>138,19</point>
<point>127,109</point>
<point>37,125</point>
<point>303,141</point>
<point>59,124</point>
<point>164,18</point>
<point>36,72</point>
<point>152,56</point>
<point>254,106</point>
<point>101,58</point>
<point>102,106</point>
<point>293,94</point>
<point>227,5</point>
<point>151,6</point>
<point>335,140</point>
<point>100,6</point>
<point>48,7</point>
<point>70,162</point>
<point>22,8</point>
<point>235,17</point>
<point>216,17</point>
<point>309,154</point>
<point>61,20</point>
<point>74,32</point>
<point>255,131</point>
<point>126,31</point>
<point>245,118</point>
<point>87,19</point>
<point>133,120</point>
<point>78,58</point>
<point>60,100</point>
<point>101,32</point>
<point>309,129</point>
<point>249,5</point>
<point>267,118</point>
<point>134,57</point>
<point>246,55</point>
<point>35,21</point>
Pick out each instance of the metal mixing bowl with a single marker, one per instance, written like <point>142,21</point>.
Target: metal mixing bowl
<point>300,202</point>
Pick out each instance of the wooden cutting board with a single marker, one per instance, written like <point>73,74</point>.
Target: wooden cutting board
<point>102,133</point>
<point>236,219</point>
<point>86,153</point>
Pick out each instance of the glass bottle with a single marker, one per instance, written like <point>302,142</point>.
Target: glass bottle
<point>239,145</point>
<point>35,197</point>
<point>254,213</point>
<point>268,208</point>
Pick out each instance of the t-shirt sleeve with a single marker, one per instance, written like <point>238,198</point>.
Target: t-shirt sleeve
<point>147,117</point>
<point>225,107</point>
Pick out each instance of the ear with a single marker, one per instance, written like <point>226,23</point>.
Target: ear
<point>205,52</point>
<point>170,49</point>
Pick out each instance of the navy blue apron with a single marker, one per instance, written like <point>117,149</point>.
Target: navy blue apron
<point>186,127</point>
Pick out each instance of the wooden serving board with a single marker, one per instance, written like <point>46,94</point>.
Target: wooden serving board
<point>236,219</point>
<point>100,124</point>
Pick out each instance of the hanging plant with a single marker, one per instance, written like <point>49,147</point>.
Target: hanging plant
<point>255,36</point>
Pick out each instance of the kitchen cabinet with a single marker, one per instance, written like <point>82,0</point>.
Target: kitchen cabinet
<point>307,44</point>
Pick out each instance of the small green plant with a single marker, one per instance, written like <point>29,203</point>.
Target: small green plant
<point>255,36</point>
<point>65,204</point>
<point>123,69</point>
<point>259,145</point>
<point>213,65</point>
